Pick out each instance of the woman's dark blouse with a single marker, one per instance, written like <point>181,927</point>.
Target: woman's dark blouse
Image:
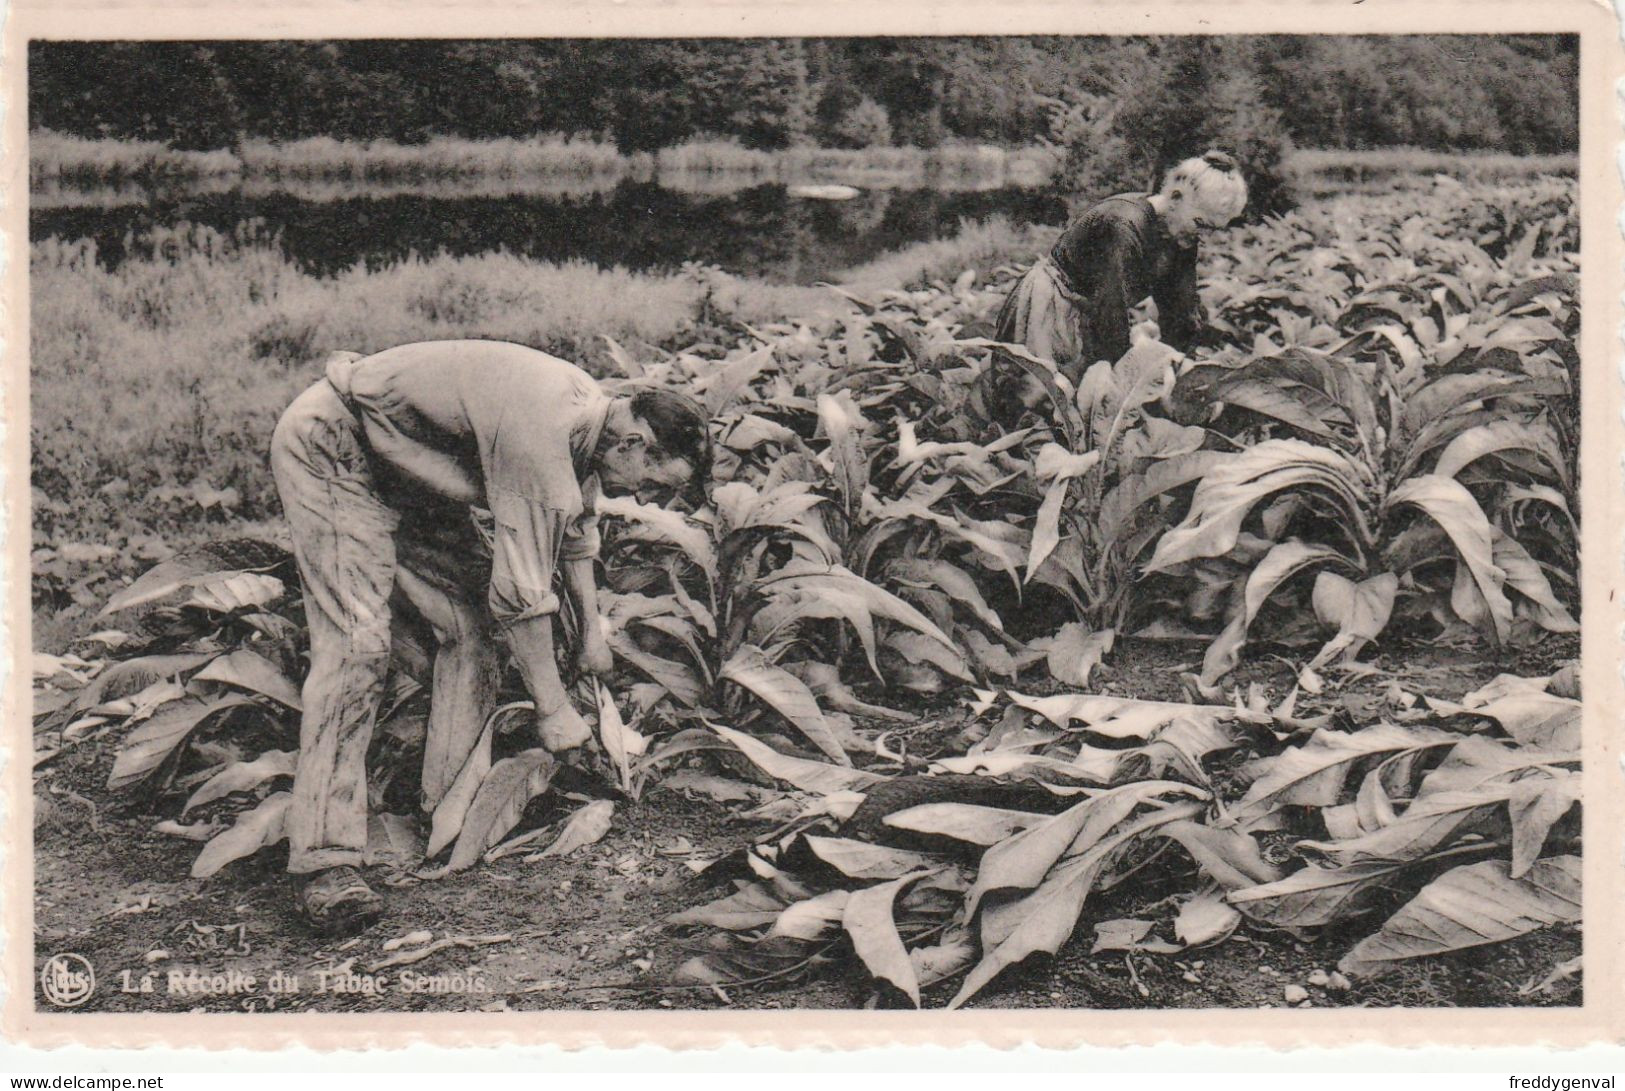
<point>1115,255</point>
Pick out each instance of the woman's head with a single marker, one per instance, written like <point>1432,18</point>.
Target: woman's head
<point>1203,193</point>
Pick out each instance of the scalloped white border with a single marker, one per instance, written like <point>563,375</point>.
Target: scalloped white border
<point>1603,549</point>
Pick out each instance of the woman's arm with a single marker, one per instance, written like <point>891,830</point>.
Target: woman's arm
<point>1179,306</point>
<point>1120,284</point>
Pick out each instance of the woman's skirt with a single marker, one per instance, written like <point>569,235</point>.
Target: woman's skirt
<point>1044,314</point>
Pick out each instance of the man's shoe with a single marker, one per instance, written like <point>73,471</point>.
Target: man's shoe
<point>338,901</point>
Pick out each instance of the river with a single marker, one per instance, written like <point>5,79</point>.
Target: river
<point>761,231</point>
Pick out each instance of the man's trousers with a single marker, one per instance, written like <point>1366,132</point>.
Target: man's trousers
<point>359,565</point>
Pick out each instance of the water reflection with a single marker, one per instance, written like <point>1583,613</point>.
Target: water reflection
<point>758,231</point>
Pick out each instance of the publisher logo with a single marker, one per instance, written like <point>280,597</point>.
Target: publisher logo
<point>67,980</point>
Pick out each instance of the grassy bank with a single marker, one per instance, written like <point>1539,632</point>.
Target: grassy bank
<point>876,168</point>
<point>56,193</point>
<point>173,368</point>
<point>981,245</point>
<point>1319,172</point>
<point>56,160</point>
<point>441,157</point>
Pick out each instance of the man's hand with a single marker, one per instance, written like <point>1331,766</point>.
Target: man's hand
<point>595,657</point>
<point>563,729</point>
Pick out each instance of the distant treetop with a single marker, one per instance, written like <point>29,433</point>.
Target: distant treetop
<point>1444,92</point>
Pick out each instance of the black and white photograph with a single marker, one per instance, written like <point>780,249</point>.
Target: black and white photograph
<point>1026,521</point>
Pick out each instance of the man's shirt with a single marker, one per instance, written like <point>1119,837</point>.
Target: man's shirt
<point>493,425</point>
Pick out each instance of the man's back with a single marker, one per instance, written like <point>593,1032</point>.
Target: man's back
<point>456,418</point>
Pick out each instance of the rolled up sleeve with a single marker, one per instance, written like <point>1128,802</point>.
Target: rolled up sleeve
<point>530,537</point>
<point>543,513</point>
<point>581,540</point>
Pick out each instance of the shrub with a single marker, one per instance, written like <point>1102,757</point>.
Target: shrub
<point>865,125</point>
<point>1172,100</point>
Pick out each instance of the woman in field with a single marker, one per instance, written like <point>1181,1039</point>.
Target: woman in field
<point>1073,306</point>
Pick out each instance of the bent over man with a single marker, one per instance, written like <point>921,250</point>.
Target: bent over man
<point>378,466</point>
<point>1074,305</point>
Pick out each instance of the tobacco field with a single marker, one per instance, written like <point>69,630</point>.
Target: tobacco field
<point>901,657</point>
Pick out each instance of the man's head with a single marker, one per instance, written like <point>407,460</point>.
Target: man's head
<point>656,446</point>
<point>1203,194</point>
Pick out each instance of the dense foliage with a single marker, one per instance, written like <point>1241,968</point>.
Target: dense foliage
<point>1389,406</point>
<point>1514,94</point>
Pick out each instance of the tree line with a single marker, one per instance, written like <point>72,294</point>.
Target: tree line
<point>1443,92</point>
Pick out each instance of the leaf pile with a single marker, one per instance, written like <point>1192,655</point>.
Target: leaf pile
<point>1439,838</point>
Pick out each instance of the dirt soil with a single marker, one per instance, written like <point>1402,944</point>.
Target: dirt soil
<point>588,930</point>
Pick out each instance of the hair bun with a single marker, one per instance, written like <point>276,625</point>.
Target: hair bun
<point>1220,161</point>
